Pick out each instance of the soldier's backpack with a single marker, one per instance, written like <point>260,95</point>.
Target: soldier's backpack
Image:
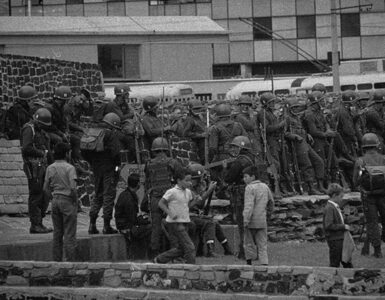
<point>158,176</point>
<point>372,179</point>
<point>92,140</point>
<point>99,111</point>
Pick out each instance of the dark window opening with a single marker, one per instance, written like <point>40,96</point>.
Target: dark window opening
<point>165,2</point>
<point>347,87</point>
<point>285,68</point>
<point>74,1</point>
<point>350,25</point>
<point>306,27</point>
<point>226,71</point>
<point>261,35</point>
<point>379,85</point>
<point>364,86</point>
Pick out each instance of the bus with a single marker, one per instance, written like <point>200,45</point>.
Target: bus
<point>358,83</point>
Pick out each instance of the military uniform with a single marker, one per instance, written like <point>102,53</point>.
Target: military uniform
<point>373,204</point>
<point>16,116</point>
<point>375,123</point>
<point>123,111</point>
<point>35,147</point>
<point>153,128</point>
<point>195,128</point>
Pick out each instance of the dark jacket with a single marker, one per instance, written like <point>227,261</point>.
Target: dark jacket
<point>126,210</point>
<point>334,228</point>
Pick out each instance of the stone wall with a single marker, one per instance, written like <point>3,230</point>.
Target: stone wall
<point>282,280</point>
<point>45,75</point>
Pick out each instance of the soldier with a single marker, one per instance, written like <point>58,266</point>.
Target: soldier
<point>250,124</point>
<point>119,105</point>
<point>195,127</point>
<point>360,119</point>
<point>105,166</point>
<point>272,134</point>
<point>309,162</point>
<point>373,203</point>
<point>374,119</point>
<point>240,148</point>
<point>152,125</point>
<point>35,147</point>
<point>159,175</point>
<point>315,124</point>
<point>177,121</point>
<point>319,87</point>
<point>20,113</point>
<point>206,226</point>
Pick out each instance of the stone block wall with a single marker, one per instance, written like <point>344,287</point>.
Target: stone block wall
<point>45,75</point>
<point>13,182</point>
<point>272,280</point>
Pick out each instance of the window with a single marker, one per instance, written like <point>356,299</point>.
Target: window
<point>379,85</point>
<point>119,61</point>
<point>163,2</point>
<point>350,25</point>
<point>226,71</point>
<point>74,1</point>
<point>258,34</point>
<point>306,27</point>
<point>364,86</point>
<point>36,2</point>
<point>347,87</point>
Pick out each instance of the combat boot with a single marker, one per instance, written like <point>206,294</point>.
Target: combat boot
<point>320,186</point>
<point>38,229</point>
<point>226,248</point>
<point>92,228</point>
<point>377,252</point>
<point>210,250</point>
<point>107,229</point>
<point>312,190</point>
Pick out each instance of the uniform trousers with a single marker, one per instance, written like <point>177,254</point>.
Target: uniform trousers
<point>374,206</point>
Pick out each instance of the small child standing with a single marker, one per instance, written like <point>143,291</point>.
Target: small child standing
<point>175,203</point>
<point>259,204</point>
<point>334,226</point>
<point>60,183</point>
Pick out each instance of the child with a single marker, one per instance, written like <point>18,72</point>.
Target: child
<point>259,203</point>
<point>175,203</point>
<point>334,226</point>
<point>60,183</point>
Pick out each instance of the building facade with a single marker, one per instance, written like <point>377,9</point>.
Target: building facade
<point>303,23</point>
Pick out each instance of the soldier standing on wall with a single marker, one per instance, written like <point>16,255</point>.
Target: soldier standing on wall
<point>35,149</point>
<point>120,105</point>
<point>159,173</point>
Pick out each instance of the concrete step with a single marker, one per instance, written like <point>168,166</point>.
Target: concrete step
<point>67,293</point>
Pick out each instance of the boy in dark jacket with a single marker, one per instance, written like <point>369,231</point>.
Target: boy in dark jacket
<point>334,226</point>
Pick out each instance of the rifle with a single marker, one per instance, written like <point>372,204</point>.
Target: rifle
<point>295,162</point>
<point>219,163</point>
<point>136,138</point>
<point>207,136</point>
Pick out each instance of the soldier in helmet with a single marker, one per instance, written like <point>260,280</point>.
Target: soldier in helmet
<point>250,123</point>
<point>272,130</point>
<point>20,113</point>
<point>195,126</point>
<point>374,119</point>
<point>316,126</point>
<point>159,175</point>
<point>360,120</point>
<point>240,148</point>
<point>310,163</point>
<point>35,149</point>
<point>319,87</point>
<point>373,202</point>
<point>152,125</point>
<point>205,225</point>
<point>105,166</point>
<point>120,105</point>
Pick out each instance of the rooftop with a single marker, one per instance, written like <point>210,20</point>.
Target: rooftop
<point>108,25</point>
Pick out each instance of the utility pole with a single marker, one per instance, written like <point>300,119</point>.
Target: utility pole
<point>29,8</point>
<point>334,36</point>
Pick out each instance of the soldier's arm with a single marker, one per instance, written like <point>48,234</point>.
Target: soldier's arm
<point>27,144</point>
<point>270,127</point>
<point>151,128</point>
<point>373,118</point>
<point>309,121</point>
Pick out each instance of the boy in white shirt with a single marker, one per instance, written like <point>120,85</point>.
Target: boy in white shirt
<point>175,203</point>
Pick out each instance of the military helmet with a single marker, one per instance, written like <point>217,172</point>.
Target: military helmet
<point>370,140</point>
<point>27,92</point>
<point>242,142</point>
<point>223,110</point>
<point>121,89</point>
<point>315,97</point>
<point>112,119</point>
<point>349,96</point>
<point>195,104</point>
<point>149,103</point>
<point>319,87</point>
<point>196,170</point>
<point>245,99</point>
<point>43,116</point>
<point>63,92</point>
<point>267,98</point>
<point>363,96</point>
<point>378,96</point>
<point>159,144</point>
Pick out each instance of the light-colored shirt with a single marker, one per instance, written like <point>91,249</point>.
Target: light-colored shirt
<point>338,209</point>
<point>177,201</point>
<point>257,198</point>
<point>60,178</point>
